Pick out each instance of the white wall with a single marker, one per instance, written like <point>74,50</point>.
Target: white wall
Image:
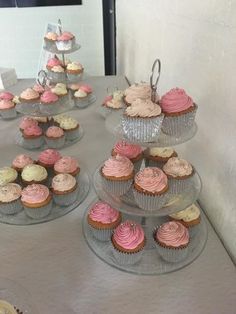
<point>22,31</point>
<point>196,41</point>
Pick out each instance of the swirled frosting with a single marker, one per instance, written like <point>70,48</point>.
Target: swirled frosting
<point>60,89</point>
<point>21,161</point>
<point>104,213</point>
<point>63,182</point>
<point>51,36</point>
<point>10,192</point>
<point>128,150</point>
<point>143,108</point>
<point>48,97</point>
<point>7,175</point>
<point>129,235</point>
<point>86,88</point>
<point>66,164</point>
<point>190,213</point>
<point>172,234</point>
<point>80,93</point>
<point>38,88</point>
<point>29,94</point>
<point>176,100</point>
<point>26,122</point>
<point>34,173</point>
<point>60,117</point>
<point>177,167</point>
<point>151,179</point>
<point>65,36</point>
<point>74,66</point>
<point>68,124</point>
<point>49,156</point>
<point>136,91</point>
<point>6,96</point>
<point>34,194</point>
<point>54,132</point>
<point>163,152</point>
<point>115,100</point>
<point>118,166</point>
<point>57,69</point>
<point>6,104</point>
<point>53,62</point>
<point>33,130</point>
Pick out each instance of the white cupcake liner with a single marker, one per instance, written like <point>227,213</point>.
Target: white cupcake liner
<point>172,255</point>
<point>71,134</point>
<point>56,77</point>
<point>116,187</point>
<point>178,186</point>
<point>9,113</point>
<point>152,163</point>
<point>126,258</point>
<point>142,129</point>
<point>74,77</point>
<point>102,235</point>
<point>55,142</point>
<point>178,125</point>
<point>66,199</point>
<point>32,143</point>
<point>65,44</point>
<point>11,208</point>
<point>150,202</point>
<point>40,212</point>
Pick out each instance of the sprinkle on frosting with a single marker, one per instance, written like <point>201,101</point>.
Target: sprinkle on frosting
<point>128,150</point>
<point>143,109</point>
<point>63,182</point>
<point>33,130</point>
<point>177,167</point>
<point>21,161</point>
<point>176,100</point>
<point>66,164</point>
<point>35,193</point>
<point>163,152</point>
<point>6,96</point>
<point>53,62</point>
<point>172,234</point>
<point>151,179</point>
<point>7,175</point>
<point>29,94</point>
<point>190,213</point>
<point>104,213</point>
<point>48,97</point>
<point>54,132</point>
<point>49,156</point>
<point>10,192</point>
<point>136,91</point>
<point>118,166</point>
<point>34,173</point>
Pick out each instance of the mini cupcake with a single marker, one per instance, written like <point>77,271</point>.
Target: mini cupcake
<point>7,175</point>
<point>10,195</point>
<point>65,189</point>
<point>117,174</point>
<point>74,71</point>
<point>172,240</point>
<point>71,128</point>
<point>179,111</point>
<point>135,91</point>
<point>21,161</point>
<point>65,41</point>
<point>179,173</point>
<point>34,174</point>
<point>38,88</point>
<point>158,156</point>
<point>33,137</point>
<point>67,165</point>
<point>151,188</point>
<point>131,151</point>
<point>128,241</point>
<point>37,201</point>
<point>142,121</point>
<point>61,91</point>
<point>83,96</point>
<point>6,96</point>
<point>55,137</point>
<point>7,109</point>
<point>29,98</point>
<point>49,102</point>
<point>27,122</point>
<point>47,158</point>
<point>50,40</point>
<point>103,219</point>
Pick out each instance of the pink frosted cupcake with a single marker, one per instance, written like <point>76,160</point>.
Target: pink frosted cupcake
<point>65,41</point>
<point>49,102</point>
<point>68,165</point>
<point>135,91</point>
<point>6,96</point>
<point>47,159</point>
<point>55,137</point>
<point>7,109</point>
<point>172,240</point>
<point>117,174</point>
<point>103,219</point>
<point>65,189</point>
<point>27,122</point>
<point>10,195</point>
<point>38,88</point>
<point>32,137</point>
<point>21,161</point>
<point>83,96</point>
<point>50,40</point>
<point>128,241</point>
<point>179,110</point>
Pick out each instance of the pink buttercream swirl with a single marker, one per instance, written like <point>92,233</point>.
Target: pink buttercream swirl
<point>6,96</point>
<point>27,122</point>
<point>128,235</point>
<point>49,156</point>
<point>151,179</point>
<point>29,94</point>
<point>48,97</point>
<point>65,36</point>
<point>38,88</point>
<point>173,234</point>
<point>176,100</point>
<point>107,99</point>
<point>34,193</point>
<point>86,88</point>
<point>118,166</point>
<point>103,212</point>
<point>54,131</point>
<point>66,164</point>
<point>128,150</point>
<point>6,104</point>
<point>33,130</point>
<point>21,161</point>
<point>53,62</point>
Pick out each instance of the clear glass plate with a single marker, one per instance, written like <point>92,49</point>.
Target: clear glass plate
<point>57,211</point>
<point>59,52</point>
<point>151,262</point>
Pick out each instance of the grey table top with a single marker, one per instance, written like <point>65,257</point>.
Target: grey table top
<point>54,263</point>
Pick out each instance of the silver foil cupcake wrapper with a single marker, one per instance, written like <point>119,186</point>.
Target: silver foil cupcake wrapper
<point>8,113</point>
<point>31,143</point>
<point>141,129</point>
<point>55,143</point>
<point>40,212</point>
<point>11,208</point>
<point>127,258</point>
<point>101,234</point>
<point>172,255</point>
<point>178,186</point>
<point>116,187</point>
<point>150,202</point>
<point>66,199</point>
<point>63,45</point>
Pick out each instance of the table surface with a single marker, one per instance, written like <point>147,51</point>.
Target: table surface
<point>54,263</point>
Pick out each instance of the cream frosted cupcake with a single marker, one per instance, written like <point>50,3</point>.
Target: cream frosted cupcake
<point>50,40</point>
<point>151,188</point>
<point>33,137</point>
<point>158,156</point>
<point>65,41</point>
<point>179,173</point>
<point>49,102</point>
<point>29,98</point>
<point>34,174</point>
<point>7,109</point>
<point>74,71</point>
<point>7,175</point>
<point>71,128</point>
<point>21,161</point>
<point>55,137</point>
<point>142,121</point>
<point>61,91</point>
<point>10,195</point>
<point>65,189</point>
<point>37,201</point>
<point>67,165</point>
<point>117,174</point>
<point>114,101</point>
<point>136,91</point>
<point>83,96</point>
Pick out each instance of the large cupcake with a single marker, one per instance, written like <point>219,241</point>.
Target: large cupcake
<point>172,240</point>
<point>65,189</point>
<point>142,121</point>
<point>34,174</point>
<point>150,188</point>
<point>10,195</point>
<point>117,174</point>
<point>7,109</point>
<point>7,175</point>
<point>179,110</point>
<point>67,165</point>
<point>33,137</point>
<point>158,156</point>
<point>21,161</point>
<point>55,137</point>
<point>135,91</point>
<point>103,219</point>
<point>128,241</point>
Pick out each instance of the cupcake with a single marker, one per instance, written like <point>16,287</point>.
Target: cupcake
<point>56,73</point>
<point>6,96</point>
<point>34,174</point>
<point>113,102</point>
<point>37,201</point>
<point>83,96</point>
<point>52,62</point>
<point>65,189</point>
<point>50,40</point>
<point>38,88</point>
<point>27,122</point>
<point>61,91</point>
<point>21,161</point>
<point>142,121</point>
<point>158,156</point>
<point>10,195</point>
<point>49,102</point>
<point>135,91</point>
<point>117,175</point>
<point>55,137</point>
<point>65,41</point>
<point>29,97</point>
<point>131,151</point>
<point>179,111</point>
<point>150,188</point>
<point>33,137</point>
<point>179,173</point>
<point>7,175</point>
<point>7,109</point>
<point>73,70</point>
<point>172,240</point>
<point>67,165</point>
<point>103,219</point>
<point>71,128</point>
<point>128,241</point>
<point>6,307</point>
<point>47,158</point>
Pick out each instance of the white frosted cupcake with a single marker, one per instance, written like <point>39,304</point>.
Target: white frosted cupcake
<point>158,156</point>
<point>7,175</point>
<point>65,189</point>
<point>83,96</point>
<point>74,71</point>
<point>71,128</point>
<point>10,195</point>
<point>34,174</point>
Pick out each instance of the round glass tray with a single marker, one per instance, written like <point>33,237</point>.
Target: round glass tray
<point>113,125</point>
<point>126,203</point>
<point>59,52</point>
<point>151,262</point>
<point>57,211</point>
<point>20,141</point>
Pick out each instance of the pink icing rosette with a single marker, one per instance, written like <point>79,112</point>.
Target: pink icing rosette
<point>66,164</point>
<point>65,36</point>
<point>48,97</point>
<point>6,104</point>
<point>33,130</point>
<point>118,166</point>
<point>53,62</point>
<point>176,100</point>
<point>21,161</point>
<point>6,96</point>
<point>104,213</point>
<point>38,88</point>
<point>151,179</point>
<point>172,234</point>
<point>49,156</point>
<point>34,194</point>
<point>128,150</point>
<point>86,88</point>
<point>54,131</point>
<point>27,122</point>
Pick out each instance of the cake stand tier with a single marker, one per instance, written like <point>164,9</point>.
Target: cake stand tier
<point>54,50</point>
<point>57,211</point>
<point>126,203</point>
<point>151,262</point>
<point>113,125</point>
<point>65,80</point>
